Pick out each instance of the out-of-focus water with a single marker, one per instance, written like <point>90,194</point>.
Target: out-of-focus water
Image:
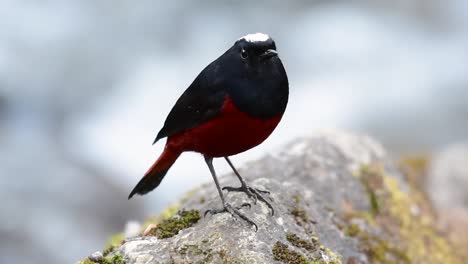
<point>85,86</point>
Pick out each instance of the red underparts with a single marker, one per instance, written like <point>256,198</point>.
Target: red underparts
<point>230,133</point>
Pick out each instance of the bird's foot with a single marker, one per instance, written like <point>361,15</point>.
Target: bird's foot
<point>254,193</point>
<point>234,211</point>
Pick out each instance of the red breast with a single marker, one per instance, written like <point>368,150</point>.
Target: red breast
<point>229,133</point>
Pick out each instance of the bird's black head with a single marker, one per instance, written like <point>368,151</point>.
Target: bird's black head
<point>251,55</point>
<point>254,48</point>
<point>252,74</point>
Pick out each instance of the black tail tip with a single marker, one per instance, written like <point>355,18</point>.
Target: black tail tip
<point>156,139</point>
<point>131,195</point>
<point>136,190</point>
<point>148,183</point>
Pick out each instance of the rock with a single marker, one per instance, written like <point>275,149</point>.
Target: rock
<point>447,187</point>
<point>338,198</point>
<point>447,183</point>
<point>132,229</point>
<point>96,256</point>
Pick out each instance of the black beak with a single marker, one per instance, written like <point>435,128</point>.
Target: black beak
<point>268,54</point>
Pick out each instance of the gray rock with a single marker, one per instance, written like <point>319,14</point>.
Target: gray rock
<point>331,206</point>
<point>447,183</point>
<point>447,187</point>
<point>96,256</point>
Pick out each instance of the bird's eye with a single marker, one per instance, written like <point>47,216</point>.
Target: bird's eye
<point>244,54</point>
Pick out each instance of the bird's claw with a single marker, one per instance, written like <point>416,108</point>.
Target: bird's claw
<point>254,193</point>
<point>243,189</point>
<point>234,211</point>
<point>222,210</point>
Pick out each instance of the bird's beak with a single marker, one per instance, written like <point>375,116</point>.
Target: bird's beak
<point>268,54</point>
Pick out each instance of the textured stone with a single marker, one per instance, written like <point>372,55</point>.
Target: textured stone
<point>447,183</point>
<point>96,256</point>
<point>338,198</point>
<point>447,187</point>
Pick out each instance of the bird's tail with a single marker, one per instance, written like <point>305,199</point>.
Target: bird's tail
<point>156,173</point>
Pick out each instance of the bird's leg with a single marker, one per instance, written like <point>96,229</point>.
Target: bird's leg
<point>227,208</point>
<point>251,192</point>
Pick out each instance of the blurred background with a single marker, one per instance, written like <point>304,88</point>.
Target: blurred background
<point>86,85</point>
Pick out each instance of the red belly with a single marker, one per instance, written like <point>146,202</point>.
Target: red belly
<point>230,133</point>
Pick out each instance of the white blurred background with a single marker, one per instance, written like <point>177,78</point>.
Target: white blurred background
<point>86,85</point>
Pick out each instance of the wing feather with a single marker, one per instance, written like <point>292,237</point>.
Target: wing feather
<point>198,104</point>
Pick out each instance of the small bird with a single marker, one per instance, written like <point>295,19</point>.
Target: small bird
<point>233,105</point>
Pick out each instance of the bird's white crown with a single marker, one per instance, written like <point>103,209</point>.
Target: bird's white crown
<point>257,37</point>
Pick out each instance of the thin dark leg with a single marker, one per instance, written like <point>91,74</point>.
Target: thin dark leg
<point>209,162</point>
<point>227,208</point>
<point>251,192</point>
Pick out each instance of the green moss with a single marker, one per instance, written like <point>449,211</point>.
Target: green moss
<point>302,219</point>
<point>319,253</point>
<point>372,183</point>
<point>403,236</point>
<point>374,203</point>
<point>86,261</point>
<point>423,243</point>
<point>414,168</point>
<point>171,210</point>
<point>296,241</point>
<point>202,200</point>
<point>205,254</point>
<point>223,254</point>
<point>195,250</point>
<point>300,215</point>
<point>228,259</point>
<point>166,214</point>
<point>282,253</point>
<point>115,259</point>
<point>352,230</point>
<point>297,198</point>
<point>333,258</point>
<point>114,242</point>
<point>364,215</point>
<point>192,249</point>
<point>381,251</point>
<point>171,227</point>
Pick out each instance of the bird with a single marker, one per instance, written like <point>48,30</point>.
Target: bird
<point>233,105</point>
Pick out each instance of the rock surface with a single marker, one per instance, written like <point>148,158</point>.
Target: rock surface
<point>447,187</point>
<point>338,198</point>
<point>447,182</point>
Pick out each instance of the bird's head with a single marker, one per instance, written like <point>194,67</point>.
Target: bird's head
<point>255,48</point>
<point>253,57</point>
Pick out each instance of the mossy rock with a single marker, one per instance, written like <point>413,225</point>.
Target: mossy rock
<point>115,259</point>
<point>399,231</point>
<point>337,198</point>
<point>282,253</point>
<point>172,226</point>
